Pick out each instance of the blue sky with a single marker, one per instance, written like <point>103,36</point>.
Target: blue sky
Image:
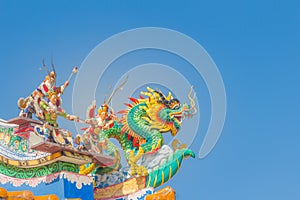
<point>255,45</point>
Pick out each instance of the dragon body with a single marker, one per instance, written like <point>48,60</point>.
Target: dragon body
<point>163,173</point>
<point>139,132</point>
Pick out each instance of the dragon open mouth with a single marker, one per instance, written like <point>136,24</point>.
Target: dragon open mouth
<point>178,117</point>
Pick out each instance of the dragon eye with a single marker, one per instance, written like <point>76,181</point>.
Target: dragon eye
<point>176,107</point>
<point>174,104</point>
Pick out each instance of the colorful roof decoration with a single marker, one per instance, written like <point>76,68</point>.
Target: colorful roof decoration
<point>38,157</point>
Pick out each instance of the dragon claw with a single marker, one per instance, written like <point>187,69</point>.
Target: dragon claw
<point>135,169</point>
<point>177,145</point>
<point>138,170</point>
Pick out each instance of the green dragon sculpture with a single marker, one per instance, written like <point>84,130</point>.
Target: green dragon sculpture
<point>139,132</point>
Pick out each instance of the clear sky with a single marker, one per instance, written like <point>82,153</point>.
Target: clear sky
<point>255,45</point>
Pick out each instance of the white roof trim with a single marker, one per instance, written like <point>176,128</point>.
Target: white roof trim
<point>5,124</point>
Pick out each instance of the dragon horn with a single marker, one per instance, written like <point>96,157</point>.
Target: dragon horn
<point>169,97</point>
<point>163,98</point>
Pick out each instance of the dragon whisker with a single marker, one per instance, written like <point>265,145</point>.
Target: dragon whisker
<point>192,101</point>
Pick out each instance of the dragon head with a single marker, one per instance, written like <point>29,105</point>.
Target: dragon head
<point>166,113</point>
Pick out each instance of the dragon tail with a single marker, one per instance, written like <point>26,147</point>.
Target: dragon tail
<point>167,169</point>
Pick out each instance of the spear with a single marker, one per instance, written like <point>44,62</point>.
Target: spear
<point>74,71</point>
